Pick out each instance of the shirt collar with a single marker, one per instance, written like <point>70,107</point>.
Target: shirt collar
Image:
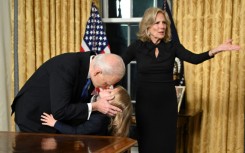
<point>91,58</point>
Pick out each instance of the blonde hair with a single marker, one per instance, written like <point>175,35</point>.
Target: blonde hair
<point>120,124</point>
<point>148,20</point>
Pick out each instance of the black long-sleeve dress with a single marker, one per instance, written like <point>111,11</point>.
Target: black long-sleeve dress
<point>156,101</point>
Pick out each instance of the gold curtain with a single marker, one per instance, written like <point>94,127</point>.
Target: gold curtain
<point>47,28</point>
<point>216,86</point>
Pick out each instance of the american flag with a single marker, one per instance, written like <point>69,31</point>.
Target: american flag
<point>179,65</point>
<point>95,37</point>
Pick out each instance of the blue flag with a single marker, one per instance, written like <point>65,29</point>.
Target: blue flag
<point>178,66</point>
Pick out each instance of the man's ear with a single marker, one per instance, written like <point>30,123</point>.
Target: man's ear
<point>97,71</point>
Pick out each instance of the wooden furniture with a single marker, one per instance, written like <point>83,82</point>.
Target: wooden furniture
<point>184,118</point>
<point>41,142</point>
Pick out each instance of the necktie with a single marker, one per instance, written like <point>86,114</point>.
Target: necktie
<point>86,88</point>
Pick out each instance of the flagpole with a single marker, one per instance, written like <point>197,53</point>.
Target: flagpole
<point>94,31</point>
<point>94,38</point>
<point>164,4</point>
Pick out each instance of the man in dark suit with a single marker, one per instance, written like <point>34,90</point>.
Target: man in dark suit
<point>56,88</point>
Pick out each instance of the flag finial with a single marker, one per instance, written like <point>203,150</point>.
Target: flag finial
<point>164,5</point>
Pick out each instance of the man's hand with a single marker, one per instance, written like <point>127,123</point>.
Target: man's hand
<point>48,119</point>
<point>103,105</point>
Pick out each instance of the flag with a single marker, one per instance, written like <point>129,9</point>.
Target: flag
<point>178,66</point>
<point>95,37</point>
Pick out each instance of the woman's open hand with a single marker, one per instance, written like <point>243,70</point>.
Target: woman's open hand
<point>227,46</point>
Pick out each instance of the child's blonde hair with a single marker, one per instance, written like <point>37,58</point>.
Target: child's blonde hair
<point>120,124</point>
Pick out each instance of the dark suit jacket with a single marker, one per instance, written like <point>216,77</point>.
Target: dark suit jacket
<point>55,88</point>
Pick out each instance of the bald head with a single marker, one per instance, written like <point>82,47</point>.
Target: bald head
<point>110,65</point>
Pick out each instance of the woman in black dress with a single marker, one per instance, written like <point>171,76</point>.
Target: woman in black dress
<point>156,101</point>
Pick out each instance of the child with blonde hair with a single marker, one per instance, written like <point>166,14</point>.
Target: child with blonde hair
<point>98,123</point>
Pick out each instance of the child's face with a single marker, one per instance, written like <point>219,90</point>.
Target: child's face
<point>104,93</point>
<point>107,92</point>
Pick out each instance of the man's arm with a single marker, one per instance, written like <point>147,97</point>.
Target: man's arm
<point>65,96</point>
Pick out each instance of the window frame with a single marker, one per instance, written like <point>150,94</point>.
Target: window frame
<point>128,21</point>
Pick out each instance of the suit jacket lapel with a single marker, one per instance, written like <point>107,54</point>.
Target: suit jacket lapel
<point>84,68</point>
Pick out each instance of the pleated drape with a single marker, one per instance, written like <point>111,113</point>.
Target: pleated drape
<point>47,28</point>
<point>217,86</point>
